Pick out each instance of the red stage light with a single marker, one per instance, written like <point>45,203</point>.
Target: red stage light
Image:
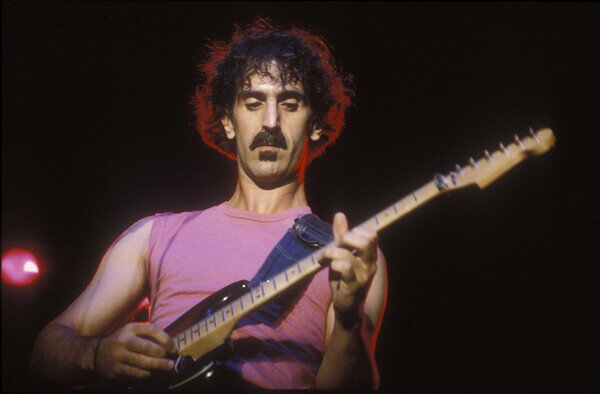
<point>19,267</point>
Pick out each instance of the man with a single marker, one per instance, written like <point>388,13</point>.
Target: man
<point>272,100</point>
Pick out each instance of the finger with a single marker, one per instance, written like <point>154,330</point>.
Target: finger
<point>344,268</point>
<point>128,370</point>
<point>362,245</point>
<point>361,271</point>
<point>367,232</point>
<point>337,253</point>
<point>145,362</point>
<point>147,347</point>
<point>158,335</point>
<point>340,225</point>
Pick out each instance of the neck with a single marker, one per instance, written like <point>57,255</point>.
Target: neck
<point>269,198</point>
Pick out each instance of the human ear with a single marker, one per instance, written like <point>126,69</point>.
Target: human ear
<point>316,133</point>
<point>228,126</point>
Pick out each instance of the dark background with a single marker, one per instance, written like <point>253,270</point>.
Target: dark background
<point>493,290</point>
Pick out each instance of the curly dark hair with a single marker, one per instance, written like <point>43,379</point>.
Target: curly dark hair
<point>301,56</point>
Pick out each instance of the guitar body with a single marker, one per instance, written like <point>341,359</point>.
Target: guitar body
<point>205,374</point>
<point>202,333</point>
<point>208,371</point>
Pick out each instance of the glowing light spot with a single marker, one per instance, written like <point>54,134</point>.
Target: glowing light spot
<point>19,267</point>
<point>30,266</point>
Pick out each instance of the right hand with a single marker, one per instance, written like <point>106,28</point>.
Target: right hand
<point>134,351</point>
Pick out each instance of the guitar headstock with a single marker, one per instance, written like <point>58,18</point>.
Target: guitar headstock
<point>493,165</point>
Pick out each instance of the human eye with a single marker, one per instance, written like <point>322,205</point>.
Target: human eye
<point>252,105</point>
<point>290,105</point>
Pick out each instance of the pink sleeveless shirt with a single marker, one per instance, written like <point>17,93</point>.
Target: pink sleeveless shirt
<point>194,254</point>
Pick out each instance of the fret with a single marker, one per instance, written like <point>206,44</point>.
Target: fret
<point>287,280</point>
<point>242,303</point>
<point>223,314</point>
<point>371,223</point>
<point>206,325</point>
<point>274,284</point>
<point>299,268</point>
<point>386,214</point>
<point>232,311</point>
<point>181,339</point>
<point>308,265</point>
<point>281,279</point>
<point>291,271</point>
<point>227,312</point>
<point>196,330</point>
<point>258,294</point>
<point>272,288</point>
<point>185,338</point>
<point>201,330</point>
<point>269,289</point>
<point>188,333</point>
<point>262,289</point>
<point>215,316</point>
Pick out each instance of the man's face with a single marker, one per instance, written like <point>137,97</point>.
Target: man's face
<point>269,121</point>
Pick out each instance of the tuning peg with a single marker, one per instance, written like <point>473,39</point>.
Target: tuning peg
<point>453,177</point>
<point>458,169</point>
<point>518,141</point>
<point>487,155</point>
<point>502,147</point>
<point>472,162</point>
<point>533,134</point>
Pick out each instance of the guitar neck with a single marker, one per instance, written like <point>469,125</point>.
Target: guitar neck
<point>226,317</point>
<point>405,205</point>
<point>221,322</point>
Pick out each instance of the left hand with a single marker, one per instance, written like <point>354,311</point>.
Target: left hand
<point>353,265</point>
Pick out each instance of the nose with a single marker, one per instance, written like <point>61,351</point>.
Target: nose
<point>271,118</point>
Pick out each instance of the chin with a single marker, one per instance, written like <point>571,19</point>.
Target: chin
<point>268,172</point>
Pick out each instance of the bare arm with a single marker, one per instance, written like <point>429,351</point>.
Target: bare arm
<point>68,350</point>
<point>353,320</point>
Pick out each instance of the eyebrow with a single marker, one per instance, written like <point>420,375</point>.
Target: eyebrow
<point>284,95</point>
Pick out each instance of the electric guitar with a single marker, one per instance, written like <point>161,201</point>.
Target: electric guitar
<point>202,333</point>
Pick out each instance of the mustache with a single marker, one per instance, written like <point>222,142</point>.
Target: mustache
<point>273,138</point>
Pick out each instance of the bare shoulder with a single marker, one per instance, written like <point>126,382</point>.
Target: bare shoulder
<point>118,285</point>
<point>136,237</point>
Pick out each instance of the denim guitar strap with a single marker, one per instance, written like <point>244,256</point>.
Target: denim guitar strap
<point>308,233</point>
